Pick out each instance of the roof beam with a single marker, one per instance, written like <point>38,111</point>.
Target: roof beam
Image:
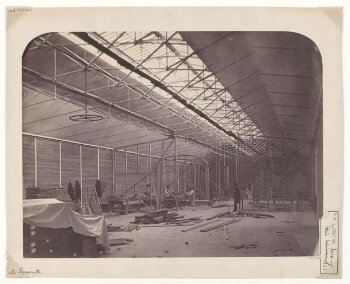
<point>97,99</point>
<point>85,37</point>
<point>225,67</point>
<point>199,50</point>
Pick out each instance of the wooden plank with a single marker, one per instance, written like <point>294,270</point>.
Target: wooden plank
<point>219,225</point>
<point>170,225</point>
<point>201,225</point>
<point>216,215</point>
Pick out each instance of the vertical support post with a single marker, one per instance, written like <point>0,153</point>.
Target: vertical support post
<point>267,181</point>
<point>60,162</point>
<point>156,179</point>
<point>35,163</point>
<point>149,165</point>
<point>236,166</point>
<point>185,175</point>
<point>160,178</point>
<point>225,173</point>
<point>195,177</point>
<point>254,171</point>
<point>137,169</point>
<point>227,182</point>
<point>150,177</point>
<point>55,70</point>
<point>164,174</point>
<point>98,163</point>
<point>109,98</point>
<point>114,173</point>
<point>125,170</point>
<point>176,174</point>
<point>81,175</point>
<point>219,176</point>
<point>207,188</point>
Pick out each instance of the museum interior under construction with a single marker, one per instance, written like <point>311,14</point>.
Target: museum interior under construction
<point>134,144</point>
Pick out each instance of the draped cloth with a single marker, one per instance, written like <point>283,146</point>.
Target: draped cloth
<point>52,213</point>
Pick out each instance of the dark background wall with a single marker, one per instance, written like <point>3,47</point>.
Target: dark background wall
<point>48,165</point>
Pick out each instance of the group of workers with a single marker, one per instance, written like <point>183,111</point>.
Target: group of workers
<point>236,196</point>
<point>189,195</point>
<point>169,194</point>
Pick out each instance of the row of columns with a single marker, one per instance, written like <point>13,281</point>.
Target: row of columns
<point>160,169</point>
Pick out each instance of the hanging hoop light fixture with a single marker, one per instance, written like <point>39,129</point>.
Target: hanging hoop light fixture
<point>85,116</point>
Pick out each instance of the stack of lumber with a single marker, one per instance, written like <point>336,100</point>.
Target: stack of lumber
<point>251,214</point>
<point>165,218</point>
<point>152,217</point>
<point>241,214</point>
<point>128,228</point>
<point>93,205</point>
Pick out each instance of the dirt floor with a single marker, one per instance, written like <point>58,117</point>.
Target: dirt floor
<point>288,234</point>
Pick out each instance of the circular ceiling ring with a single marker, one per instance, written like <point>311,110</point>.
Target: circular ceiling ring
<point>86,117</point>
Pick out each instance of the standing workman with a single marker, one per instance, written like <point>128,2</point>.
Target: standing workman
<point>250,197</point>
<point>190,194</point>
<point>236,196</point>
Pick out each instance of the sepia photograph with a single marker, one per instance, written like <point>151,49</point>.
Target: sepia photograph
<point>171,144</point>
<point>174,143</point>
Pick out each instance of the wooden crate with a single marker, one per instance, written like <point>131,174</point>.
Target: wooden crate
<point>41,242</point>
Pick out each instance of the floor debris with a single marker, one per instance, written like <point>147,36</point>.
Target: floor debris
<point>128,228</point>
<point>219,225</point>
<point>163,217</point>
<point>245,246</point>
<point>201,225</point>
<point>167,225</point>
<point>225,230</point>
<point>288,222</point>
<point>120,241</point>
<point>241,214</point>
<point>111,228</point>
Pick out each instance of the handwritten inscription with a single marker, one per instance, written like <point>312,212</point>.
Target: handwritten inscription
<point>19,10</point>
<point>22,272</point>
<point>329,243</point>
